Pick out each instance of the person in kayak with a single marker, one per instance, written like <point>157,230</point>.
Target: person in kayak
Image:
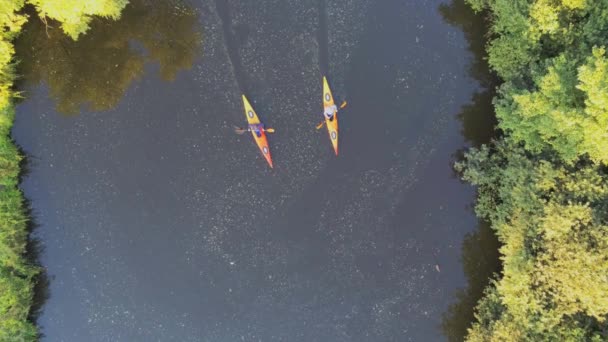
<point>257,129</point>
<point>330,111</point>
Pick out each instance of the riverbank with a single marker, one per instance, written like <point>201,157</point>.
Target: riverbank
<point>17,274</point>
<point>543,185</point>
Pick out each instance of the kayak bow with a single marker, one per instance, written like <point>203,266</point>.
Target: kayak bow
<point>332,125</point>
<point>261,141</point>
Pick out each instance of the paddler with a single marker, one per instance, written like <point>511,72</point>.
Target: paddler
<point>330,111</point>
<point>257,129</point>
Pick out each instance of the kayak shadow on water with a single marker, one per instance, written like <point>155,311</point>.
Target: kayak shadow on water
<point>322,38</point>
<point>480,256</point>
<point>94,72</point>
<point>234,36</point>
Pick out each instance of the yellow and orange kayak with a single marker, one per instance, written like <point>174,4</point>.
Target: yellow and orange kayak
<point>332,125</point>
<point>252,119</point>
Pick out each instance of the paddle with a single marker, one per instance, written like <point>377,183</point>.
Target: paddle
<point>323,122</point>
<point>239,130</point>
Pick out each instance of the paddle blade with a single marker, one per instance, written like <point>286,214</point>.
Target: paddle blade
<point>269,130</point>
<point>321,124</point>
<point>239,130</point>
<point>343,104</point>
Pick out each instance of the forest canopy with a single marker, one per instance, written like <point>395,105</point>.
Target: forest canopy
<point>544,184</point>
<point>75,15</point>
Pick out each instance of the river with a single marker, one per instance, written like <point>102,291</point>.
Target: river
<point>158,223</point>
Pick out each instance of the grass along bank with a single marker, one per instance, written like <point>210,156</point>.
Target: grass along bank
<point>543,185</point>
<point>17,274</point>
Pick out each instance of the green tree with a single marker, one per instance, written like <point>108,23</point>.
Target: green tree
<point>593,82</point>
<point>544,184</point>
<point>550,54</point>
<point>75,15</point>
<point>565,111</point>
<point>10,25</point>
<point>550,218</point>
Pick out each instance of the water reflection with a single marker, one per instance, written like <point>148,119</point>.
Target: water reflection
<point>42,281</point>
<point>35,248</point>
<point>480,262</point>
<point>94,72</point>
<point>477,117</point>
<point>480,255</point>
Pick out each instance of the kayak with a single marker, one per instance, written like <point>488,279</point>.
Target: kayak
<point>252,119</point>
<point>332,125</point>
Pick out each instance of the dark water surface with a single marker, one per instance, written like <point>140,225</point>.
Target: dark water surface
<point>160,224</point>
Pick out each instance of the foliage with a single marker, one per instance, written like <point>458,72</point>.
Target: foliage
<point>565,111</point>
<point>17,275</point>
<point>551,55</point>
<point>544,184</point>
<point>550,219</point>
<point>75,15</point>
<point>96,70</point>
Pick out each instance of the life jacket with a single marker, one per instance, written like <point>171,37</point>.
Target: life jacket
<point>257,129</point>
<point>330,112</point>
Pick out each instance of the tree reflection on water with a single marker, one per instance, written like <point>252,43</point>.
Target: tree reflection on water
<point>477,117</point>
<point>480,256</point>
<point>94,72</point>
<point>480,262</point>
